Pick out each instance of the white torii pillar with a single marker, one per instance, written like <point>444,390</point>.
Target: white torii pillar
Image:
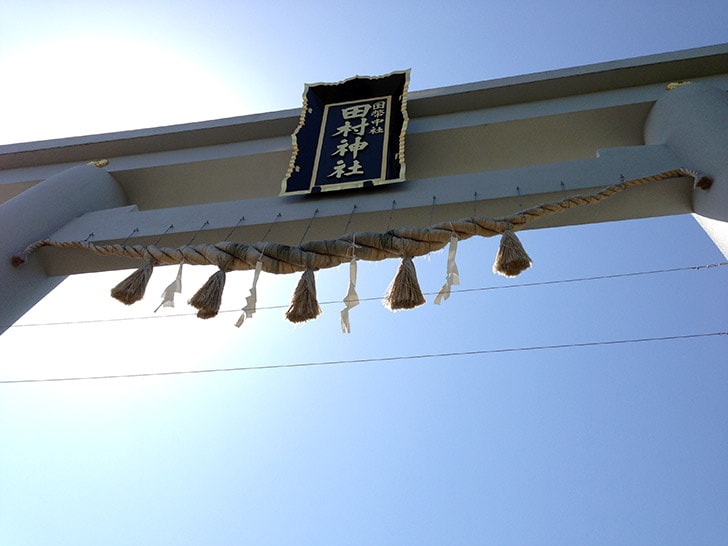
<point>35,214</point>
<point>692,121</point>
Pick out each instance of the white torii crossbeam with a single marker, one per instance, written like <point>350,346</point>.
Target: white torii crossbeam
<point>485,149</point>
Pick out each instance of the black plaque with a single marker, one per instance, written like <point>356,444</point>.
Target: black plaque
<point>351,134</point>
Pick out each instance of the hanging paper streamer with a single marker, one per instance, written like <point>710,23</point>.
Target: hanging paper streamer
<point>452,277</point>
<point>252,299</point>
<point>175,287</point>
<point>352,298</point>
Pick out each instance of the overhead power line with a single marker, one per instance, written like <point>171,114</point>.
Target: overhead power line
<point>372,360</point>
<point>378,298</point>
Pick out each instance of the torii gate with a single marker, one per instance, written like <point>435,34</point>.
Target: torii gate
<point>498,146</point>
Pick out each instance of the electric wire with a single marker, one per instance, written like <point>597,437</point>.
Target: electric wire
<point>378,298</point>
<point>372,360</point>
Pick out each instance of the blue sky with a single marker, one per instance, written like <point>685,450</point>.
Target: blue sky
<point>620,443</point>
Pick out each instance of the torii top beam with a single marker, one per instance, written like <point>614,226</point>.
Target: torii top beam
<point>507,144</point>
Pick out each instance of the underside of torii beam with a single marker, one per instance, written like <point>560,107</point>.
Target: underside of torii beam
<point>484,149</point>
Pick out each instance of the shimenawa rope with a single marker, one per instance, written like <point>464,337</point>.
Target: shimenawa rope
<point>405,243</point>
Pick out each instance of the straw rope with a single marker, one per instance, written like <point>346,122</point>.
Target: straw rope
<point>399,242</point>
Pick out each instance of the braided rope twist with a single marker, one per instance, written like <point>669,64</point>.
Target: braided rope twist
<point>282,259</point>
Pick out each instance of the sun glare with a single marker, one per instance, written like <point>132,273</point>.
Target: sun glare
<point>97,84</point>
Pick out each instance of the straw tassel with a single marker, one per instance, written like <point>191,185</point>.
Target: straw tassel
<point>511,259</point>
<point>175,287</point>
<point>252,300</point>
<point>132,289</point>
<point>351,299</point>
<point>303,304</point>
<point>452,277</point>
<point>208,298</point>
<point>404,292</point>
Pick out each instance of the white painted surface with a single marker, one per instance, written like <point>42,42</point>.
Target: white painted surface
<point>692,120</point>
<point>34,215</point>
<point>511,141</point>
